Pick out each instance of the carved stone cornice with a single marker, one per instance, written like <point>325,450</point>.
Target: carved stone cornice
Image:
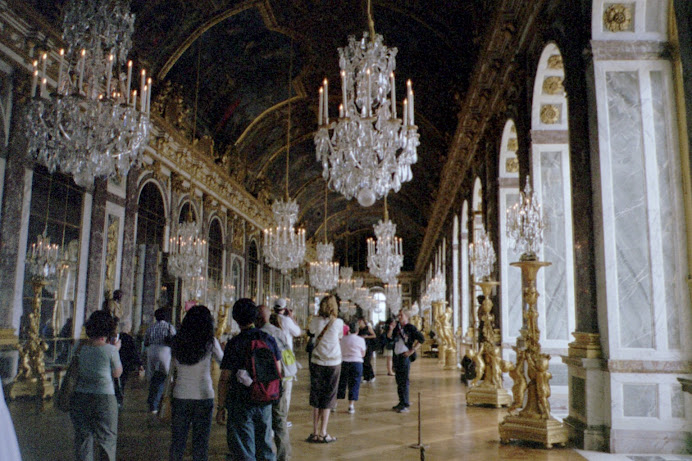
<point>491,76</point>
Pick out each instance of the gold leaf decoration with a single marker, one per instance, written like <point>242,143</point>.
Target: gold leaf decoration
<point>550,114</point>
<point>512,165</point>
<point>512,144</point>
<point>553,85</point>
<point>618,18</point>
<point>555,62</point>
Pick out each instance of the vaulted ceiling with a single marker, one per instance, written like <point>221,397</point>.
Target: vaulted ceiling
<point>231,60</point>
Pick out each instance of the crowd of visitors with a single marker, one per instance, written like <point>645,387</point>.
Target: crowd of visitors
<point>258,367</point>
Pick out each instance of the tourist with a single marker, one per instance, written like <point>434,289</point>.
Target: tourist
<point>325,367</point>
<point>387,347</point>
<point>9,448</point>
<point>130,359</point>
<point>279,409</point>
<point>353,350</point>
<point>291,330</point>
<point>407,339</point>
<point>366,332</point>
<point>248,424</point>
<point>193,391</point>
<point>93,408</point>
<point>158,339</point>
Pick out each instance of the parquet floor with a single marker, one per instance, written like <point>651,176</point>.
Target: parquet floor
<point>450,429</point>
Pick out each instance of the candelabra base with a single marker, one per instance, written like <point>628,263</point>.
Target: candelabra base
<point>546,431</point>
<point>480,395</point>
<point>451,360</point>
<point>42,387</point>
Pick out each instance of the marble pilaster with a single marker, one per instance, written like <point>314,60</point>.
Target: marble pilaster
<point>127,273</point>
<point>96,248</point>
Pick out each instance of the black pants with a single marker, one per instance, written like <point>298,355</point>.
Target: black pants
<point>368,372</point>
<point>402,365</point>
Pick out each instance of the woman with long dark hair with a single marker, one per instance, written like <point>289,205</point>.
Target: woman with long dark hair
<point>193,393</point>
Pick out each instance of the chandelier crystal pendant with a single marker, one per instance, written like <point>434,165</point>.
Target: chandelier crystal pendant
<point>385,254</point>
<point>299,294</point>
<point>284,246</point>
<point>187,252</point>
<point>346,284</point>
<point>393,295</point>
<point>324,274</point>
<point>525,224</point>
<point>93,125</point>
<point>370,150</point>
<point>481,256</point>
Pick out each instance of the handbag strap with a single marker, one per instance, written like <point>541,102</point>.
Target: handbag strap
<point>324,330</point>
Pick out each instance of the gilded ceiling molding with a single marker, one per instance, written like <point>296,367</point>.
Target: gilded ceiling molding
<point>502,43</point>
<point>199,169</point>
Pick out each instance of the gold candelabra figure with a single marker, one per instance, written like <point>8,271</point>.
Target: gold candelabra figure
<point>222,320</point>
<point>529,417</point>
<point>488,359</point>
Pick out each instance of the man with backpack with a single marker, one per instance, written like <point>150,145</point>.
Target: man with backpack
<point>249,384</point>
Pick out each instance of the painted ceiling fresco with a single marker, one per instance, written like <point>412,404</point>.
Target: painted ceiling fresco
<point>231,60</point>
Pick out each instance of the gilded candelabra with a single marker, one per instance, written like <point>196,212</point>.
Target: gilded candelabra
<point>488,359</point>
<point>529,417</point>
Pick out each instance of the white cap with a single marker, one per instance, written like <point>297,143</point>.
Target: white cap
<point>280,304</point>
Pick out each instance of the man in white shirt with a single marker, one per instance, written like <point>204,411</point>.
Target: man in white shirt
<point>291,330</point>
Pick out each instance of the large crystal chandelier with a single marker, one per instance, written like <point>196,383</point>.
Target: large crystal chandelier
<point>299,294</point>
<point>44,258</point>
<point>525,224</point>
<point>370,150</point>
<point>324,274</point>
<point>93,125</point>
<point>481,256</point>
<point>393,297</point>
<point>385,255</point>
<point>284,246</point>
<point>187,253</point>
<point>346,284</point>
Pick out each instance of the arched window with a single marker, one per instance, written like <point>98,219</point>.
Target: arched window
<point>455,271</point>
<point>464,272</point>
<point>379,313</point>
<point>510,277</point>
<point>551,181</point>
<point>151,216</point>
<point>477,224</point>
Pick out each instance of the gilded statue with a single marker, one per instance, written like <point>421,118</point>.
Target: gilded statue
<point>446,328</point>
<point>222,320</point>
<point>516,372</point>
<point>542,377</point>
<point>479,365</point>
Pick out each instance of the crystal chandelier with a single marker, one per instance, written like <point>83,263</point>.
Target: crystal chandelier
<point>370,151</point>
<point>43,259</point>
<point>346,284</point>
<point>525,224</point>
<point>481,256</point>
<point>385,255</point>
<point>324,274</point>
<point>93,125</point>
<point>299,293</point>
<point>284,246</point>
<point>187,251</point>
<point>228,293</point>
<point>393,294</point>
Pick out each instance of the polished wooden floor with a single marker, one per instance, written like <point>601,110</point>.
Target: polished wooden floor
<point>450,429</point>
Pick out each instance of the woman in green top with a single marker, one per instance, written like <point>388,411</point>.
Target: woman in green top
<point>94,409</point>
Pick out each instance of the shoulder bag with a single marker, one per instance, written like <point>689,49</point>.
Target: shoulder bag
<point>63,397</point>
<point>312,345</point>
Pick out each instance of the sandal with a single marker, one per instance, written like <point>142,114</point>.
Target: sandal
<point>327,439</point>
<point>313,438</point>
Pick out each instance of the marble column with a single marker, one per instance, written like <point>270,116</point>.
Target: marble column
<point>127,268</point>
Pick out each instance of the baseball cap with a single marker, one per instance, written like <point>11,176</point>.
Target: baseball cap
<point>280,304</point>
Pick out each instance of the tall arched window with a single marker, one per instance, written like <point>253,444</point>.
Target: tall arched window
<point>551,181</point>
<point>510,277</point>
<point>477,224</point>
<point>455,271</point>
<point>465,300</point>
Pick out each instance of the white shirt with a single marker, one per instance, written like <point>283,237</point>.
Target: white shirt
<point>194,381</point>
<point>352,348</point>
<point>328,352</point>
<point>290,329</point>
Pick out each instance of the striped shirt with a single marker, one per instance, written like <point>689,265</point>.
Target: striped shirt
<point>159,334</point>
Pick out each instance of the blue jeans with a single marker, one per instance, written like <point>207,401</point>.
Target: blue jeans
<point>186,412</point>
<point>248,432</point>
<point>351,374</point>
<point>402,365</point>
<point>158,379</point>
<point>95,421</point>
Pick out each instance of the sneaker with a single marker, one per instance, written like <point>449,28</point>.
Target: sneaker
<point>403,410</point>
<point>351,410</point>
<point>397,407</point>
<point>289,424</point>
<point>372,380</point>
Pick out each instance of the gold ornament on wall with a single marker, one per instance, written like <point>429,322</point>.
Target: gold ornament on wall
<point>555,62</point>
<point>618,18</point>
<point>112,238</point>
<point>513,144</point>
<point>553,85</point>
<point>512,165</point>
<point>550,114</point>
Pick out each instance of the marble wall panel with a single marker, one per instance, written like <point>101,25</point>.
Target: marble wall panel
<point>672,236</point>
<point>640,400</point>
<point>633,263</point>
<point>555,276</point>
<point>677,403</point>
